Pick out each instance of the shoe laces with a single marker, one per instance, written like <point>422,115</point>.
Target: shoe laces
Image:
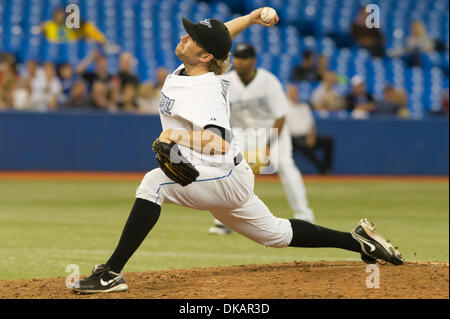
<point>100,269</point>
<point>104,272</point>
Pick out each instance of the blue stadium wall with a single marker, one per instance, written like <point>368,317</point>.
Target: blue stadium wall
<point>122,142</point>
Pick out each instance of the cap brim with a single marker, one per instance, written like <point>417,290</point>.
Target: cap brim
<point>190,28</point>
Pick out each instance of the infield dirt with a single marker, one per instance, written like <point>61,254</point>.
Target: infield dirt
<point>298,280</point>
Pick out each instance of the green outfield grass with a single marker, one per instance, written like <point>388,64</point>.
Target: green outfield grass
<point>46,225</point>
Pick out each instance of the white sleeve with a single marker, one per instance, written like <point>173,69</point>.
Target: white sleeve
<point>277,99</point>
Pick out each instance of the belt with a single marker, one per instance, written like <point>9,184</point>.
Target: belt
<point>238,159</point>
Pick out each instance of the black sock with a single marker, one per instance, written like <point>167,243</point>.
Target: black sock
<point>143,217</point>
<point>309,235</point>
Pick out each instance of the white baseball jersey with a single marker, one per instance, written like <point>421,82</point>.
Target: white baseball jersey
<point>259,103</point>
<point>193,103</point>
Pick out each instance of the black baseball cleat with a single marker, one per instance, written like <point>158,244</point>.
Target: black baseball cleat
<point>373,246</point>
<point>103,279</point>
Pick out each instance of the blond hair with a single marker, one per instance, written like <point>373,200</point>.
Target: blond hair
<point>219,67</point>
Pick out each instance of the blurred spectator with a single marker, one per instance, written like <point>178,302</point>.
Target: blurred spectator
<point>22,96</point>
<point>128,99</point>
<point>55,30</point>
<point>8,80</point>
<point>146,100</point>
<point>322,65</point>
<point>68,79</point>
<point>161,75</point>
<point>78,97</point>
<point>417,42</point>
<point>325,97</point>
<point>149,95</point>
<point>359,101</point>
<point>31,71</point>
<point>368,38</point>
<point>126,75</point>
<point>301,124</point>
<point>46,91</point>
<point>89,32</point>
<point>393,102</point>
<point>100,73</point>
<point>115,94</point>
<point>100,97</point>
<point>307,70</point>
<point>444,102</point>
<point>444,105</point>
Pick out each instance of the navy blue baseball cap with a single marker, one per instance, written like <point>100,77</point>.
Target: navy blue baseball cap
<point>211,34</point>
<point>244,51</point>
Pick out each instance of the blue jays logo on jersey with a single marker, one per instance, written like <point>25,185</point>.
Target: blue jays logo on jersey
<point>206,22</point>
<point>165,104</point>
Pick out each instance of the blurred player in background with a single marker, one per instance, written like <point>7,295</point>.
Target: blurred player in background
<point>257,100</point>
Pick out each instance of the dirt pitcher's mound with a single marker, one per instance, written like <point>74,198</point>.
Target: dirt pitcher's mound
<point>342,279</point>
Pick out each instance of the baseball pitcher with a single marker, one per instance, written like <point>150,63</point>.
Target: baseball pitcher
<point>202,167</point>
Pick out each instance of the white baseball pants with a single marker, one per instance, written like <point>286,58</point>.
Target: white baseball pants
<point>290,176</point>
<point>227,193</point>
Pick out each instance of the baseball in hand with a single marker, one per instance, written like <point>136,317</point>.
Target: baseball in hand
<point>268,14</point>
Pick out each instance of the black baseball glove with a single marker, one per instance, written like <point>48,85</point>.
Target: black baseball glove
<point>173,164</point>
